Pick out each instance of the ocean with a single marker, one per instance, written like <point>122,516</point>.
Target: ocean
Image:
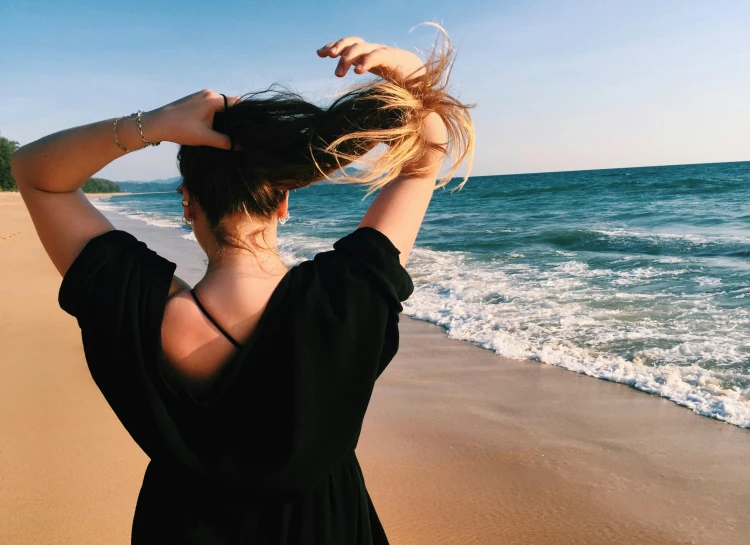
<point>635,275</point>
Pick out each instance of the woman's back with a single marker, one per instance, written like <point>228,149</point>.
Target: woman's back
<point>203,327</point>
<point>269,448</point>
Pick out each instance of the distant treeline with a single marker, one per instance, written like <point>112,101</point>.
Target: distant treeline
<point>100,185</point>
<point>8,183</point>
<point>149,187</point>
<point>7,149</point>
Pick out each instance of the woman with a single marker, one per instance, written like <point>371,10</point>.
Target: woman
<point>249,390</point>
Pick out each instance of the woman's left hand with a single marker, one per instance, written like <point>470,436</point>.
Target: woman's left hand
<point>188,121</point>
<point>379,59</point>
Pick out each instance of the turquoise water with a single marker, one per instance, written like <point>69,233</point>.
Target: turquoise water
<point>637,275</point>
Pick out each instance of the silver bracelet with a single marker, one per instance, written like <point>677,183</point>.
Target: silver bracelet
<point>140,130</point>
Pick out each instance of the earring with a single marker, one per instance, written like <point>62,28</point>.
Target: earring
<point>283,220</point>
<point>190,221</point>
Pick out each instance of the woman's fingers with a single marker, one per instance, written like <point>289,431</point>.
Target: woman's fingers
<point>325,50</point>
<point>210,137</point>
<point>371,60</point>
<point>216,139</point>
<point>352,55</point>
<point>354,51</point>
<point>335,48</point>
<point>220,140</point>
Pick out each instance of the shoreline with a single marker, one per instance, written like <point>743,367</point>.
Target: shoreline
<point>97,195</point>
<point>90,195</point>
<point>459,445</point>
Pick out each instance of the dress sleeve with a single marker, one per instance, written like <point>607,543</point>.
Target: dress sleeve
<point>117,289</point>
<point>363,285</point>
<point>378,258</point>
<point>115,279</point>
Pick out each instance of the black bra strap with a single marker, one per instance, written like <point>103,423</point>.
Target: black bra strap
<point>204,311</point>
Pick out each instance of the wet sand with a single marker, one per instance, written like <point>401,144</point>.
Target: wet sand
<point>459,446</point>
<point>97,195</point>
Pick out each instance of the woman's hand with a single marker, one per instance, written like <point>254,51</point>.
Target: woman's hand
<point>188,121</point>
<point>381,60</point>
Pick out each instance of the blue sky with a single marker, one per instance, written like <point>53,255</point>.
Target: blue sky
<point>558,85</point>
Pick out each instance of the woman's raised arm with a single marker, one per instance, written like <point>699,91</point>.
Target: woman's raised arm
<point>401,204</point>
<point>399,208</point>
<point>50,171</point>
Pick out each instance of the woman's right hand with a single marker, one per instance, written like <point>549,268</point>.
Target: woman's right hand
<point>379,59</point>
<point>188,121</point>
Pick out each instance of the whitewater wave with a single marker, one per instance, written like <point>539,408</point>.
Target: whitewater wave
<point>154,218</point>
<point>558,317</point>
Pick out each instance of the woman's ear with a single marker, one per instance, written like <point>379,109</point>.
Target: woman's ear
<point>186,198</point>
<point>284,208</point>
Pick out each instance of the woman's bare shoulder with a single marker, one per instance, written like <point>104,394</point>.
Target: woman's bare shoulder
<point>178,285</point>
<point>188,345</point>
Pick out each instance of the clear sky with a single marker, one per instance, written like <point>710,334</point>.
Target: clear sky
<point>559,85</point>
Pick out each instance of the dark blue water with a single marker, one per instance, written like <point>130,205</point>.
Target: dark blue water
<point>636,275</point>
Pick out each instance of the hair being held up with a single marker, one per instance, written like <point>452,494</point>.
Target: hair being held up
<point>287,143</point>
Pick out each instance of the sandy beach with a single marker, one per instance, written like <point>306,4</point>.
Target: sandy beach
<point>460,446</point>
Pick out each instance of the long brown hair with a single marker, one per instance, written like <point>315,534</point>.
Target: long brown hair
<point>288,143</point>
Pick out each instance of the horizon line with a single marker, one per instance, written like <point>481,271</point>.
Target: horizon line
<point>606,168</point>
<point>516,173</point>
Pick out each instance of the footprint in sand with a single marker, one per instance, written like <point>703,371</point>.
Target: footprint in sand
<point>10,235</point>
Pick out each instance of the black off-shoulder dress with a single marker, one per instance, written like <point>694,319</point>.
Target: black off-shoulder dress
<point>268,457</point>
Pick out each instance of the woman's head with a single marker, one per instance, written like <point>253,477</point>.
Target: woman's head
<point>282,142</point>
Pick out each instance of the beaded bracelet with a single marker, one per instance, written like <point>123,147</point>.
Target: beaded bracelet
<point>140,130</point>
